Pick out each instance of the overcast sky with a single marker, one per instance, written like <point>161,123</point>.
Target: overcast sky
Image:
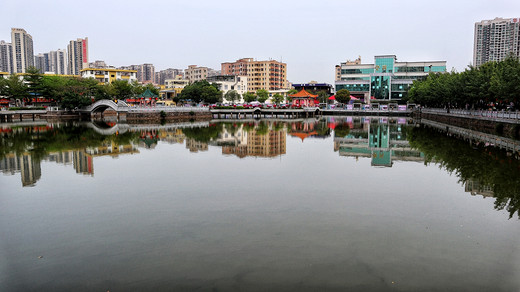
<point>310,36</point>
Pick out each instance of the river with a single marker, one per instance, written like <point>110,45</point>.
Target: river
<point>329,204</point>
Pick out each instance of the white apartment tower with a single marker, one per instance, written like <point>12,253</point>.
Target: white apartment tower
<point>23,54</point>
<point>496,39</point>
<point>58,62</point>
<point>78,56</point>
<point>6,57</point>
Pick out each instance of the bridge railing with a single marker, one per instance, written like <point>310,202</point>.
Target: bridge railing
<point>168,109</point>
<point>506,115</point>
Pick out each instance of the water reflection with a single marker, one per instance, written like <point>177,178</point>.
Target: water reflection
<point>383,140</point>
<point>482,169</point>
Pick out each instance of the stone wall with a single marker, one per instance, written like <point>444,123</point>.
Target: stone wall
<point>485,126</point>
<point>168,116</point>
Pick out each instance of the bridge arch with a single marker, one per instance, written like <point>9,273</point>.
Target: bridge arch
<point>102,105</point>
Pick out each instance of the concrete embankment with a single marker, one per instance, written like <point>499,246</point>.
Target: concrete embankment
<point>485,124</point>
<point>177,116</point>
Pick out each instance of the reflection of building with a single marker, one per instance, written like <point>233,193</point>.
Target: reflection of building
<point>476,188</point>
<point>111,149</point>
<point>304,130</point>
<point>196,146</point>
<point>62,157</point>
<point>175,137</point>
<point>82,162</point>
<point>386,78</point>
<point>269,145</point>
<point>383,143</point>
<point>29,168</point>
<point>254,143</point>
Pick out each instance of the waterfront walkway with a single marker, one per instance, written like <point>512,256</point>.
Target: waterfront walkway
<point>492,116</point>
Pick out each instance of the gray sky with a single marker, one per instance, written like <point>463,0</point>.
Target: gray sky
<point>310,36</point>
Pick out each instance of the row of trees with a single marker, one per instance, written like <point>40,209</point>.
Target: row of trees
<point>493,84</point>
<point>67,92</point>
<point>204,92</point>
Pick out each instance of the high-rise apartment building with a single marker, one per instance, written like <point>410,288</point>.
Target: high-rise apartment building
<point>268,75</point>
<point>41,62</point>
<point>58,62</point>
<point>167,74</point>
<point>146,73</point>
<point>6,57</point>
<point>77,56</point>
<point>98,64</point>
<point>496,39</point>
<point>23,54</point>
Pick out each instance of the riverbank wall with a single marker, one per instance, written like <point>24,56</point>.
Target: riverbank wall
<point>176,116</point>
<point>486,124</point>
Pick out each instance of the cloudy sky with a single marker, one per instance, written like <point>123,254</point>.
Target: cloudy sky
<point>310,36</point>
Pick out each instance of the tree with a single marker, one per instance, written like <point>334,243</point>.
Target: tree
<point>343,96</point>
<point>121,89</point>
<point>13,87</point>
<point>201,91</point>
<point>249,97</point>
<point>262,95</point>
<point>231,96</point>
<point>34,80</point>
<point>152,88</point>
<point>277,98</point>
<point>323,96</point>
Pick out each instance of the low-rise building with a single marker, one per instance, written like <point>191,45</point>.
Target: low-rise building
<point>108,75</point>
<point>229,82</point>
<point>268,75</point>
<point>386,78</point>
<point>195,73</point>
<point>315,87</point>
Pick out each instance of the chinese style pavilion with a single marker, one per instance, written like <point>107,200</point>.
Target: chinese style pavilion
<point>304,98</point>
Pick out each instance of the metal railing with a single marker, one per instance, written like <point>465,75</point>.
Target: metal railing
<point>168,109</point>
<point>493,115</point>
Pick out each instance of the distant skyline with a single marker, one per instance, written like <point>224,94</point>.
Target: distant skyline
<point>310,36</point>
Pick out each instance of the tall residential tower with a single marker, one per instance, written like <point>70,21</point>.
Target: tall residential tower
<point>496,39</point>
<point>23,55</point>
<point>6,57</point>
<point>78,56</point>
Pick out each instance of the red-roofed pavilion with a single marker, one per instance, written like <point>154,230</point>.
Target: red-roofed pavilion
<point>304,98</point>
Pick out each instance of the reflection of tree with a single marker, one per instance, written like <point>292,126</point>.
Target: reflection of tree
<point>41,140</point>
<point>203,134</point>
<point>262,128</point>
<point>490,166</point>
<point>322,129</point>
<point>341,130</point>
<point>231,128</point>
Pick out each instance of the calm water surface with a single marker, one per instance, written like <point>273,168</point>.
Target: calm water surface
<point>346,204</point>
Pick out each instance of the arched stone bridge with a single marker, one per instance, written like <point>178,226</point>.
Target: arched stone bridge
<point>102,105</point>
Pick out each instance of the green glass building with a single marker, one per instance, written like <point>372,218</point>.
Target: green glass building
<point>385,79</point>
